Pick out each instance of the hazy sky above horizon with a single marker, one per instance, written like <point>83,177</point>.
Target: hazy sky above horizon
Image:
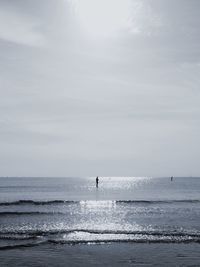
<point>99,87</point>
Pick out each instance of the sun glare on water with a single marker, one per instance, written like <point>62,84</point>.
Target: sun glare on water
<point>103,18</point>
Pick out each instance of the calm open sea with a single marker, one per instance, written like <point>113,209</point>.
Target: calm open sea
<point>53,211</point>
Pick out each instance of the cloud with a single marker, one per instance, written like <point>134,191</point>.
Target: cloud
<point>18,28</point>
<point>109,18</point>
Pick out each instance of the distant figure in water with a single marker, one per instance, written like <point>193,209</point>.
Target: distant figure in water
<point>171,178</point>
<point>97,181</point>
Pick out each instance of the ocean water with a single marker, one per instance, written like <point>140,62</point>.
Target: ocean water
<point>53,211</point>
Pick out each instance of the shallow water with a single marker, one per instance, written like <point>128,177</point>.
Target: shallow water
<point>112,255</point>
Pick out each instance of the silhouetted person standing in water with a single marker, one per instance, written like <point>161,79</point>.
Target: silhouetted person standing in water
<point>172,178</point>
<point>97,181</point>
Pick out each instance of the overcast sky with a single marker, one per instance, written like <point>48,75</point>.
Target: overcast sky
<point>99,87</point>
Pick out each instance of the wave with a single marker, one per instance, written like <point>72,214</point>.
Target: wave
<point>96,237</point>
<point>33,202</point>
<point>37,232</point>
<point>141,240</point>
<point>66,202</point>
<point>5,213</point>
<point>16,246</point>
<point>159,201</point>
<point>17,237</point>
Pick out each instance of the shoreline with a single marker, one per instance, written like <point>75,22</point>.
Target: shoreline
<point>113,255</point>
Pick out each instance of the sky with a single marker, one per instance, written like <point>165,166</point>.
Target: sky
<point>99,87</point>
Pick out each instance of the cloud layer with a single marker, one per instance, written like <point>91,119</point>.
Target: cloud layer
<point>121,104</point>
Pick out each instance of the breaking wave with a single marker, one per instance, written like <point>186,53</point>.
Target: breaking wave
<point>52,202</point>
<point>81,236</point>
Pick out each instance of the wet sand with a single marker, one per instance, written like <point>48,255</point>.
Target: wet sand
<point>112,255</point>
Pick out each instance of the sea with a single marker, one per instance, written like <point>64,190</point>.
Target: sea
<point>125,221</point>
